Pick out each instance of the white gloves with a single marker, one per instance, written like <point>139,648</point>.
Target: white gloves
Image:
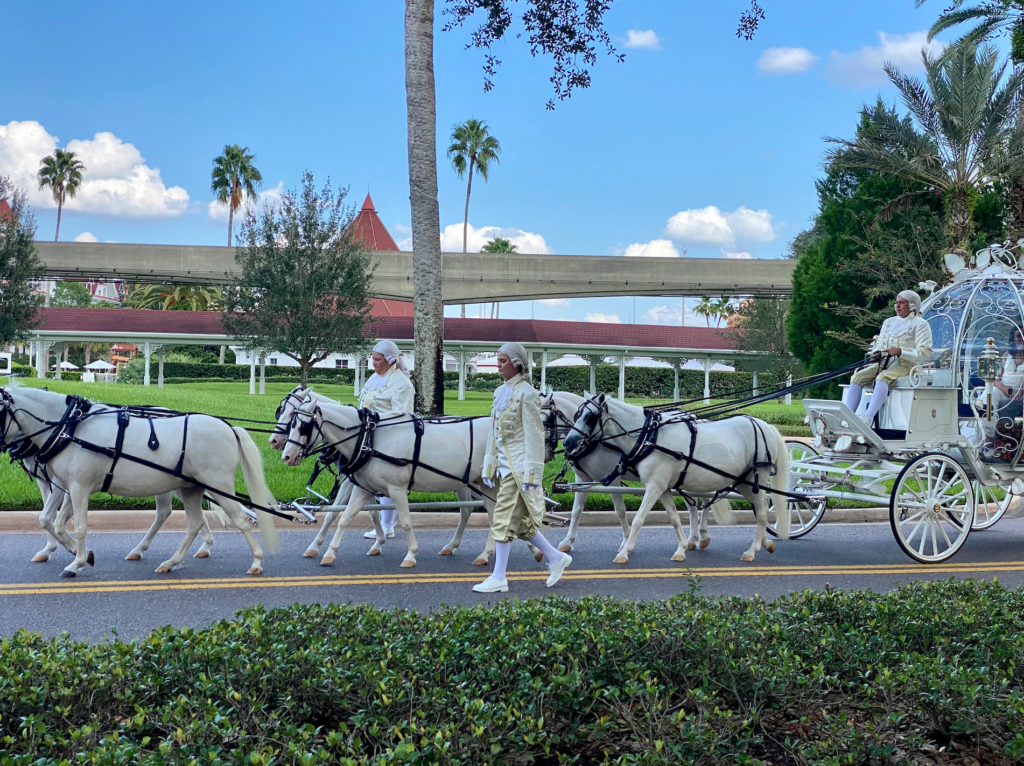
<point>488,482</point>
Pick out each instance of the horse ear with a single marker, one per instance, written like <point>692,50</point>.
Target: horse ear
<point>67,399</point>
<point>600,399</point>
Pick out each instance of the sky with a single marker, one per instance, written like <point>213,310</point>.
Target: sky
<point>699,144</point>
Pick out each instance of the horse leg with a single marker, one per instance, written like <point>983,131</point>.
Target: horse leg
<point>695,520</point>
<point>378,531</point>
<point>668,502</point>
<point>760,505</point>
<point>578,503</point>
<point>321,534</point>
<point>651,496</point>
<point>53,501</point>
<point>192,499</point>
<point>239,518</point>
<point>79,497</point>
<point>484,558</point>
<point>705,533</point>
<point>163,512</point>
<point>204,531</point>
<point>401,500</point>
<point>355,504</point>
<point>619,504</point>
<point>464,513</point>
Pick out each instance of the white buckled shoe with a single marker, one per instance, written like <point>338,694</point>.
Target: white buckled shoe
<point>388,534</point>
<point>557,568</point>
<point>490,585</point>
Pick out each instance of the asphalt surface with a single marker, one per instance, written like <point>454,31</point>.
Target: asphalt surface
<point>128,595</point>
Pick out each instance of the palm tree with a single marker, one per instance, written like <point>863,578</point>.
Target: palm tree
<point>993,19</point>
<point>175,297</point>
<point>722,309</point>
<point>61,172</point>
<point>235,179</point>
<point>705,308</point>
<point>497,245</point>
<point>472,148</point>
<point>967,141</point>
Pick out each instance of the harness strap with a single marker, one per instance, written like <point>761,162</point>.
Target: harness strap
<point>184,439</point>
<point>122,424</point>
<point>417,424</point>
<point>469,460</point>
<point>154,443</point>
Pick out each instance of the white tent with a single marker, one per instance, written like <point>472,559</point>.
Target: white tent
<point>100,366</point>
<point>696,364</point>
<point>646,361</point>
<point>569,360</point>
<point>68,366</point>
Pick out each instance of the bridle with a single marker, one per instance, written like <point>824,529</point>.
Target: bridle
<point>299,401</point>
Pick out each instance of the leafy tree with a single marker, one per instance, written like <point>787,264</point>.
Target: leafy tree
<point>967,140</point>
<point>19,266</point>
<point>175,297</point>
<point>70,294</point>
<point>235,179</point>
<point>61,173</point>
<point>496,245</point>
<point>762,323</point>
<point>304,284</point>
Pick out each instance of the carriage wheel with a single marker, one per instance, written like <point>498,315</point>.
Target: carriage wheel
<point>931,509</point>
<point>804,515</point>
<point>991,507</point>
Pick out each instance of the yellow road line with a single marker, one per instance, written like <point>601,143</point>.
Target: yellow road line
<point>138,586</point>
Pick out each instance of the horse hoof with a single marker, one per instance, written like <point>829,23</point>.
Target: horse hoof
<point>90,559</point>
<point>254,571</point>
<point>704,544</point>
<point>163,569</point>
<point>747,557</point>
<point>679,557</point>
<point>67,573</point>
<point>539,556</point>
<point>769,546</point>
<point>447,551</point>
<point>326,561</point>
<point>620,559</point>
<point>373,552</point>
<point>133,556</point>
<point>408,563</point>
<point>39,558</point>
<point>202,554</point>
<point>691,546</point>
<point>480,561</point>
<point>311,553</point>
<point>565,548</point>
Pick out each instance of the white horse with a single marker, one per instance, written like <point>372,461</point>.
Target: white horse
<point>601,461</point>
<point>729,452</point>
<point>455,448</point>
<point>210,455</point>
<point>286,411</point>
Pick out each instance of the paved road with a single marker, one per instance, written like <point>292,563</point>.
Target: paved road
<point>130,596</point>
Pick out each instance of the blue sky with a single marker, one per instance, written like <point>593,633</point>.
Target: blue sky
<point>699,144</point>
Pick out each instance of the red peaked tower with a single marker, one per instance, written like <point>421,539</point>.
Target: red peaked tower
<point>372,232</point>
<point>5,211</point>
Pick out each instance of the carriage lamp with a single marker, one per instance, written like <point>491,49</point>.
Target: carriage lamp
<point>990,369</point>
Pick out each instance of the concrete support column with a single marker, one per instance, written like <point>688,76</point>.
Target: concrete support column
<point>707,380</point>
<point>263,373</point>
<point>147,352</point>
<point>160,369</point>
<point>675,380</point>
<point>543,369</point>
<point>252,371</point>
<point>789,382</point>
<point>622,378</point>
<point>462,371</point>
<point>755,383</point>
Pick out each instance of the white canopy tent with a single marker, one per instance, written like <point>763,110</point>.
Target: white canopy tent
<point>100,366</point>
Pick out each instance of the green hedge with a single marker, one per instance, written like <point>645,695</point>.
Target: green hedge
<point>812,678</point>
<point>641,382</point>
<point>194,372</point>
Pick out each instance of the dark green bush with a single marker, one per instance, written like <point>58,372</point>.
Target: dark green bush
<point>813,678</point>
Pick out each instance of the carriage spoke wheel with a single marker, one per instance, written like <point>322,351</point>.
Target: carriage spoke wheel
<point>932,507</point>
<point>804,515</point>
<point>993,503</point>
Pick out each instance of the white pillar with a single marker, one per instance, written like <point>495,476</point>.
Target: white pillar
<point>462,373</point>
<point>707,380</point>
<point>675,380</point>
<point>160,369</point>
<point>543,369</point>
<point>146,351</point>
<point>357,379</point>
<point>789,382</point>
<point>41,355</point>
<point>593,374</point>
<point>222,354</point>
<point>252,371</point>
<point>622,378</point>
<point>755,383</point>
<point>263,373</point>
<point>57,360</point>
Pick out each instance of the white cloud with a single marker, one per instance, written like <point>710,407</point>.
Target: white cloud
<point>670,315</point>
<point>642,38</point>
<point>525,241</point>
<point>116,181</point>
<point>863,68</point>
<point>785,61</point>
<point>401,228</point>
<point>217,212</point>
<point>710,226</point>
<point>657,248</point>
<point>405,244</point>
<point>604,318</point>
<point>737,256</point>
<point>558,302</point>
<point>86,236</point>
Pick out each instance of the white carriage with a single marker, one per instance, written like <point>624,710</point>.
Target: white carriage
<point>947,448</point>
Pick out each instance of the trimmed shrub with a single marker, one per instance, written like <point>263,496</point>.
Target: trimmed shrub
<point>200,372</point>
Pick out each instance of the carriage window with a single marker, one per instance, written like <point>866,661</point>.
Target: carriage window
<point>945,316</point>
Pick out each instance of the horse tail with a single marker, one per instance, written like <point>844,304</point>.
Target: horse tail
<point>780,481</point>
<point>256,486</point>
<point>722,510</point>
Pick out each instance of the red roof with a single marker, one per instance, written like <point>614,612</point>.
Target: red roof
<point>5,211</point>
<point>494,331</point>
<point>371,230</point>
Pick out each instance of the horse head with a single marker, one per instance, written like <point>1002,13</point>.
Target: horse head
<point>304,433</point>
<point>285,410</point>
<point>586,428</point>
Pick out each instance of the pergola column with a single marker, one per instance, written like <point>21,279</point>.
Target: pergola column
<point>675,379</point>
<point>789,382</point>
<point>707,380</point>
<point>146,352</point>
<point>252,371</point>
<point>594,359</point>
<point>622,377</point>
<point>263,373</point>
<point>462,370</point>
<point>755,383</point>
<point>357,379</point>
<point>543,369</point>
<point>42,357</point>
<point>222,354</point>
<point>160,369</point>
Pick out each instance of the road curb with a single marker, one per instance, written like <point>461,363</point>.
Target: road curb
<point>27,522</point>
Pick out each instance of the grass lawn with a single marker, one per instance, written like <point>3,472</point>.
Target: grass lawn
<point>17,491</point>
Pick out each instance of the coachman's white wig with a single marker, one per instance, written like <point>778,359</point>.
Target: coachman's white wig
<point>913,299</point>
<point>517,354</point>
<point>388,350</point>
